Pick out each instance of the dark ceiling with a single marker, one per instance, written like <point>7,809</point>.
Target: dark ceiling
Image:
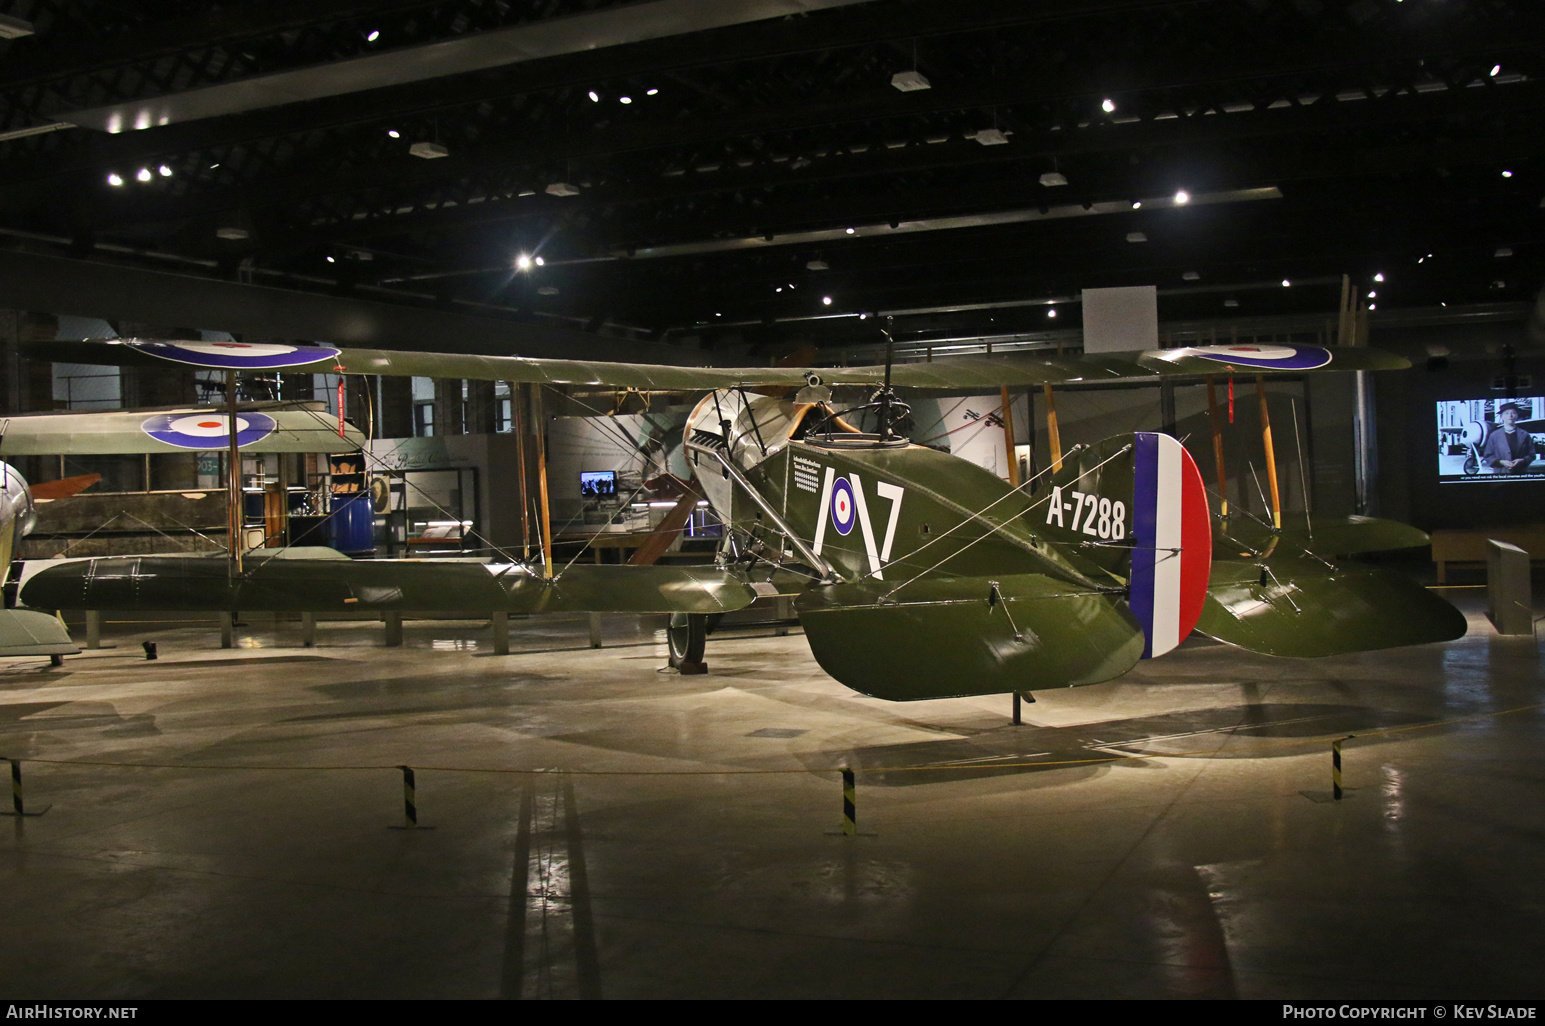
<point>717,149</point>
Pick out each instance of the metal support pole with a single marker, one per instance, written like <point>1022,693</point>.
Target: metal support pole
<point>595,630</point>
<point>308,630</point>
<point>393,620</point>
<point>501,629</point>
<point>1271,453</point>
<point>93,628</point>
<point>1008,435</point>
<point>785,613</point>
<point>227,629</point>
<point>1053,435</point>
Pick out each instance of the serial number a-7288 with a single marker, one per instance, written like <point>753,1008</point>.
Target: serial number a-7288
<point>1091,514</point>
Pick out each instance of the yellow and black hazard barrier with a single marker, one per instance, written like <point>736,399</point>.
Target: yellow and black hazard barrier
<point>849,804</point>
<point>1335,766</point>
<point>19,807</point>
<point>409,798</point>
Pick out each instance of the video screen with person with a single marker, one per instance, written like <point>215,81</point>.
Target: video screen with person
<point>598,484</point>
<point>1491,440</point>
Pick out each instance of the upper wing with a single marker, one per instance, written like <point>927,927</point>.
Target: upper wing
<point>277,427</point>
<point>952,372</point>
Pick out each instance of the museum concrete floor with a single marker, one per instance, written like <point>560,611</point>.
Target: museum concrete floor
<point>228,823</point>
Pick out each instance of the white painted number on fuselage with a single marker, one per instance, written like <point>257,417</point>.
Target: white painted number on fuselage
<point>1090,514</point>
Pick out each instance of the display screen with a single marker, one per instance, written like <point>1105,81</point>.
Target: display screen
<point>598,484</point>
<point>1491,440</point>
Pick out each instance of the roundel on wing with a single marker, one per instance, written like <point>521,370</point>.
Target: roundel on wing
<point>1266,357</point>
<point>237,355</point>
<point>207,430</point>
<point>842,505</point>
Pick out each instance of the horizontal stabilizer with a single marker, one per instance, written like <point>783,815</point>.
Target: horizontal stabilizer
<point>945,637</point>
<point>264,427</point>
<point>25,632</point>
<point>1325,536</point>
<point>1303,607</point>
<point>341,586</point>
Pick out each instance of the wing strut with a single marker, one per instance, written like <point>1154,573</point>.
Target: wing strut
<point>808,554</point>
<point>1217,445</point>
<point>1008,436</point>
<point>1271,454</point>
<point>541,471</point>
<point>234,514</point>
<point>1054,437</point>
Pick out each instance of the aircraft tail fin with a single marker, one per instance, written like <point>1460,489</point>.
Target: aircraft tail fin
<point>1135,504</point>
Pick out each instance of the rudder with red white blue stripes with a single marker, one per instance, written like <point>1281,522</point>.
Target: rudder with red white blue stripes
<point>1172,542</point>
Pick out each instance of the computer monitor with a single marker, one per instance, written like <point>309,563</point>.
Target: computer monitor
<point>598,484</point>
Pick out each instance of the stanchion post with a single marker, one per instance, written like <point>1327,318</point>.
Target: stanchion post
<point>1335,766</point>
<point>17,804</point>
<point>849,804</point>
<point>1017,720</point>
<point>409,798</point>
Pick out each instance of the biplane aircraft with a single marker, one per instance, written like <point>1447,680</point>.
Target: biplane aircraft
<point>920,574</point>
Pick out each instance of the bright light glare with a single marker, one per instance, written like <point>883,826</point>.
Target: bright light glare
<point>332,260</point>
<point>115,180</point>
<point>1286,283</point>
<point>826,300</point>
<point>1495,68</point>
<point>1373,295</point>
<point>851,231</point>
<point>624,99</point>
<point>1052,312</point>
<point>1379,276</point>
<point>394,133</point>
<point>1137,204</point>
<point>595,97</point>
<point>1507,174</point>
<point>166,172</point>
<point>374,35</point>
<point>539,261</point>
<point>143,174</point>
<point>1182,198</point>
<point>1373,306</point>
<point>523,263</point>
<point>653,92</point>
<point>1108,106</point>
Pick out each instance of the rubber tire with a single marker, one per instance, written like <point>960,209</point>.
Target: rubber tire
<point>687,637</point>
<point>1472,465</point>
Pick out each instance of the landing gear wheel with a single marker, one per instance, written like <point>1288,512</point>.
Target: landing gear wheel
<point>687,636</point>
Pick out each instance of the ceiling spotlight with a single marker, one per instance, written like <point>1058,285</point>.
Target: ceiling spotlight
<point>910,81</point>
<point>1051,178</point>
<point>777,288</point>
<point>1286,283</point>
<point>1137,204</point>
<point>1373,295</point>
<point>1507,174</point>
<point>1373,306</point>
<point>166,172</point>
<point>653,92</point>
<point>332,259</point>
<point>1495,68</point>
<point>1379,276</point>
<point>214,165</point>
<point>115,179</point>
<point>1108,106</point>
<point>624,99</point>
<point>851,231</point>
<point>826,300</point>
<point>539,261</point>
<point>523,263</point>
<point>374,35</point>
<point>595,97</point>
<point>1182,198</point>
<point>393,133</point>
<point>143,174</point>
<point>1051,312</point>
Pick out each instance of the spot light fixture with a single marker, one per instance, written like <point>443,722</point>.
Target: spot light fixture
<point>1182,197</point>
<point>1379,276</point>
<point>523,262</point>
<point>166,172</point>
<point>115,180</point>
<point>143,174</point>
<point>826,300</point>
<point>1108,105</point>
